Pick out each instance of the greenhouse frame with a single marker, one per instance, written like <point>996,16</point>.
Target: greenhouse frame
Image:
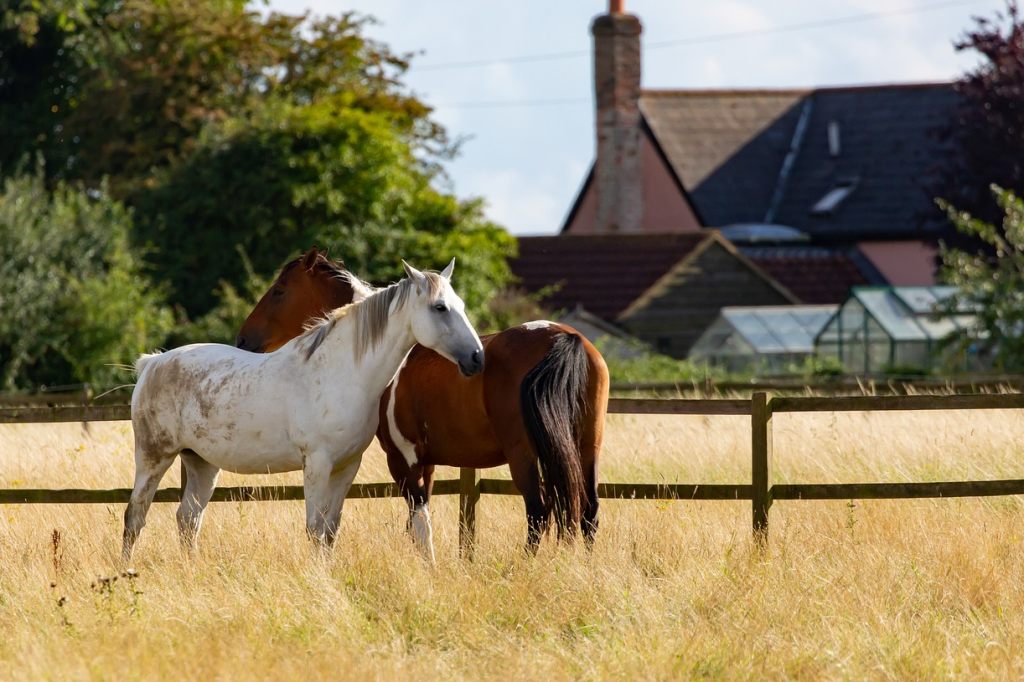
<point>762,339</point>
<point>893,329</point>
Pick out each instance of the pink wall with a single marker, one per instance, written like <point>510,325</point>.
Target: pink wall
<point>665,208</point>
<point>586,215</point>
<point>909,263</point>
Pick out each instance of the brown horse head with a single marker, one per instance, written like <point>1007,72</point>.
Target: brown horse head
<point>308,287</point>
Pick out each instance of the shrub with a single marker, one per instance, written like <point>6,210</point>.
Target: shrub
<point>74,302</point>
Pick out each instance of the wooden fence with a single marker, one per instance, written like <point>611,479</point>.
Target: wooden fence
<point>470,486</point>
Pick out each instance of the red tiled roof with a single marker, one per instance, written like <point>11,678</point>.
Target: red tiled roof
<point>813,275</point>
<point>603,273</point>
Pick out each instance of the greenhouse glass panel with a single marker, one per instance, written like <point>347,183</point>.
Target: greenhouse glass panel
<point>851,320</point>
<point>887,309</point>
<point>920,300</point>
<point>755,332</point>
<point>791,336</point>
<point>914,354</point>
<point>813,321</point>
<point>879,347</point>
<point>937,328</point>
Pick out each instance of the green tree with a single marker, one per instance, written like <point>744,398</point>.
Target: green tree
<point>226,129</point>
<point>43,64</point>
<point>292,176</point>
<point>991,280</point>
<point>120,89</point>
<point>74,301</point>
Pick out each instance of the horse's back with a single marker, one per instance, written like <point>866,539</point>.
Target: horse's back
<point>514,352</point>
<point>184,368</point>
<point>192,395</point>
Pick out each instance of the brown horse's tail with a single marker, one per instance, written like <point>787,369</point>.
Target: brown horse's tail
<point>552,398</point>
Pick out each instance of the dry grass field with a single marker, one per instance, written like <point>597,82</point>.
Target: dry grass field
<point>886,589</point>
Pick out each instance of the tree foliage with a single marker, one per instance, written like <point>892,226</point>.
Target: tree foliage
<point>293,176</point>
<point>122,89</point>
<point>73,297</point>
<point>987,135</point>
<point>224,131</point>
<point>990,281</point>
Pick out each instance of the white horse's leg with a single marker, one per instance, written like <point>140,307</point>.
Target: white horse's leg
<point>149,469</point>
<point>421,530</point>
<point>326,484</point>
<point>202,479</point>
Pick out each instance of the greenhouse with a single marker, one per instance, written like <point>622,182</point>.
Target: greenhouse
<point>892,329</point>
<point>762,339</point>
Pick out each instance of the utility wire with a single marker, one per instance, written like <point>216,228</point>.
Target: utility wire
<point>712,38</point>
<point>505,103</point>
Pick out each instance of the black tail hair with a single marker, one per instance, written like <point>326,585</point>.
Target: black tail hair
<point>552,399</point>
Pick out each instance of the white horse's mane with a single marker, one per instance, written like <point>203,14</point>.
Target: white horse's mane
<point>371,313</point>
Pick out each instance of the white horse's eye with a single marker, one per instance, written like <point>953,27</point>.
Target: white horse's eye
<point>441,307</point>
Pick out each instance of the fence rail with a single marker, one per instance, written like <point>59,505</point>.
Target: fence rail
<point>881,384</point>
<point>470,486</point>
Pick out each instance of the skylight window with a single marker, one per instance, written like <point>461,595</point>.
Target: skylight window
<point>835,196</point>
<point>834,145</point>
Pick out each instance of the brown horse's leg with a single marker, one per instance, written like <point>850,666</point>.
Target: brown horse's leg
<point>428,482</point>
<point>526,476</point>
<point>415,482</point>
<point>591,437</point>
<point>590,448</point>
<point>588,523</point>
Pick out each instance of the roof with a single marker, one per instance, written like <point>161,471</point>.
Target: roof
<point>908,313</point>
<point>730,147</point>
<point>779,329</point>
<point>580,315</point>
<point>603,273</point>
<point>815,274</point>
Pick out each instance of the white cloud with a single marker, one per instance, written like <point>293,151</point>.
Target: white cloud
<point>528,162</point>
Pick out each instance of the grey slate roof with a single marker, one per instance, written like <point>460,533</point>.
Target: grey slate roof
<point>728,149</point>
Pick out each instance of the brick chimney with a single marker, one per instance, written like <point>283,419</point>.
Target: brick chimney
<point>617,90</point>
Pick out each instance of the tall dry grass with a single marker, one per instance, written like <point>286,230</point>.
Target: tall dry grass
<point>886,589</point>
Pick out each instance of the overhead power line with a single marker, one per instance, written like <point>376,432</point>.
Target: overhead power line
<point>504,103</point>
<point>711,38</point>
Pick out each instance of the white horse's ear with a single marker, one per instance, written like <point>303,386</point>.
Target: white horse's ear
<point>447,272</point>
<point>413,274</point>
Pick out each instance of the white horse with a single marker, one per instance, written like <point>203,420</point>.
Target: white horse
<point>310,405</point>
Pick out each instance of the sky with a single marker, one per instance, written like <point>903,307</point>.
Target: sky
<point>513,79</point>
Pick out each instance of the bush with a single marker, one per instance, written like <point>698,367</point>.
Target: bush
<point>292,177</point>
<point>74,301</point>
<point>631,362</point>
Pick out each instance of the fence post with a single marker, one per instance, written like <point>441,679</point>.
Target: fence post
<point>761,451</point>
<point>469,495</point>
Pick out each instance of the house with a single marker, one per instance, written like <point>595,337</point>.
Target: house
<point>845,166</point>
<point>762,339</point>
<point>818,190</point>
<point>663,289</point>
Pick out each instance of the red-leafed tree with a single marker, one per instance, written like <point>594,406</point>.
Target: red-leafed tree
<point>987,133</point>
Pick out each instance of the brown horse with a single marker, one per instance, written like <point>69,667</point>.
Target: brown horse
<point>539,405</point>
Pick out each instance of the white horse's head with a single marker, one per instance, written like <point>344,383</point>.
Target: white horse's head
<point>439,319</point>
